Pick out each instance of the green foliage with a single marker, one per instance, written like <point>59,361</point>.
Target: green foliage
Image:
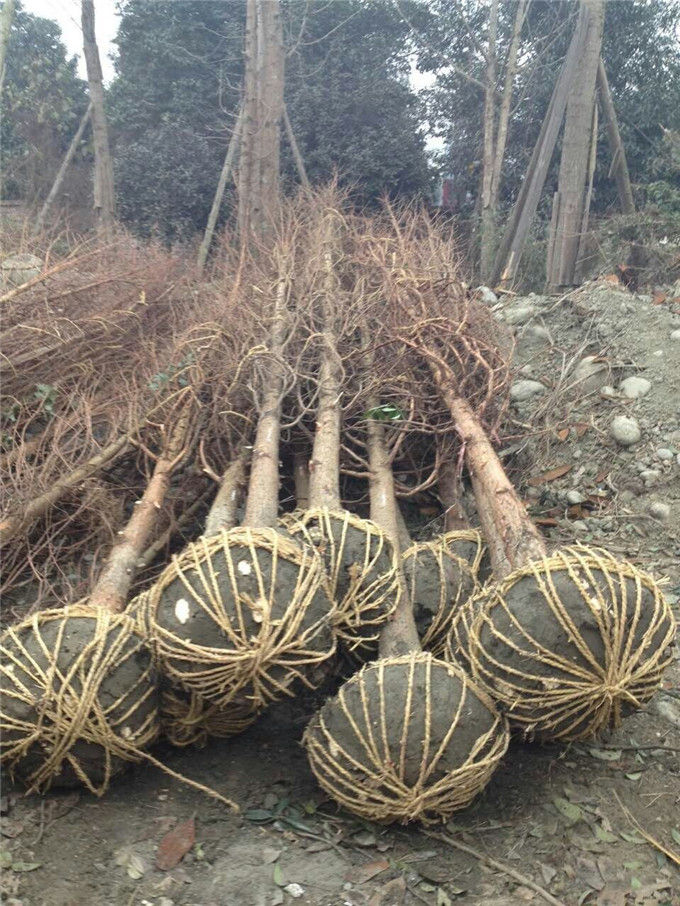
<point>47,395</point>
<point>42,102</point>
<point>177,89</point>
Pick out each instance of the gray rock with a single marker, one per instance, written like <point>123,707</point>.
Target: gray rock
<point>659,510</point>
<point>634,388</point>
<point>521,391</point>
<point>518,314</point>
<point>658,353</point>
<point>591,374</point>
<point>536,334</point>
<point>575,497</point>
<point>650,476</point>
<point>625,430</point>
<point>607,391</point>
<point>18,269</point>
<point>578,525</point>
<point>665,454</point>
<point>486,295</point>
<point>675,334</point>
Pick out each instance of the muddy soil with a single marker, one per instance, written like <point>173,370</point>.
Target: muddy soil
<point>595,823</point>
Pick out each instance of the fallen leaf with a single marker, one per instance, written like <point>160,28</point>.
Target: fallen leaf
<point>258,815</point>
<point>606,754</point>
<point>635,776</point>
<point>550,475</point>
<point>675,834</point>
<point>391,894</point>
<point>548,873</point>
<point>604,835</point>
<point>612,895</point>
<point>570,811</point>
<point>581,428</point>
<point>11,829</point>
<point>25,866</point>
<point>175,845</point>
<point>601,475</point>
<point>443,899</point>
<point>278,875</point>
<point>318,846</point>
<point>5,859</point>
<point>562,434</point>
<point>588,872</point>
<point>659,297</point>
<point>364,838</point>
<point>546,520</point>
<point>359,874</point>
<point>631,838</point>
<point>270,855</point>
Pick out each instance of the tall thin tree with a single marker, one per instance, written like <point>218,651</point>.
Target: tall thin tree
<point>570,214</point>
<point>6,17</point>
<point>104,197</point>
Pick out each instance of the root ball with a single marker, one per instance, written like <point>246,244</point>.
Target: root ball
<point>78,696</point>
<point>361,567</point>
<point>438,583</point>
<point>408,738</point>
<point>242,616</point>
<point>569,645</point>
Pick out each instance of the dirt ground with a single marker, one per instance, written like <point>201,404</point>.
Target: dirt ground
<point>594,823</point>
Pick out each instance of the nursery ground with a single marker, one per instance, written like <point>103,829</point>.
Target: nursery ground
<point>587,823</point>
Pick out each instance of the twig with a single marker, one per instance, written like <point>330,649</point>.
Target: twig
<point>669,854</point>
<point>639,748</point>
<point>494,863</point>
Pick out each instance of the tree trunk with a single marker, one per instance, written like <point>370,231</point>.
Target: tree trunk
<point>295,148</point>
<point>514,237</point>
<point>63,169</point>
<point>487,216</point>
<point>576,146</point>
<point>227,168</point>
<point>450,493</point>
<point>263,111</point>
<point>619,165</point>
<point>6,17</point>
<point>104,198</point>
<point>228,498</point>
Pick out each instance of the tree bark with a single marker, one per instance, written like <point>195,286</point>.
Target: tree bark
<point>514,237</point>
<point>228,498</point>
<point>450,494</point>
<point>263,111</point>
<point>6,18</point>
<point>619,165</point>
<point>227,168</point>
<point>63,169</point>
<point>262,507</point>
<point>487,214</point>
<point>576,146</point>
<point>104,197</point>
<point>295,148</point>
<point>112,586</point>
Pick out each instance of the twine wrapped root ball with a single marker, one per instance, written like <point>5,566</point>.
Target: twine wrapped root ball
<point>409,738</point>
<point>362,570</point>
<point>78,698</point>
<point>242,616</point>
<point>572,643</point>
<point>438,582</point>
<point>187,719</point>
<point>468,544</point>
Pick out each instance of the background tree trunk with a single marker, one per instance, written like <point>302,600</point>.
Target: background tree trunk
<point>619,166</point>
<point>104,198</point>
<point>576,149</point>
<point>6,16</point>
<point>227,168</point>
<point>263,111</point>
<point>488,217</point>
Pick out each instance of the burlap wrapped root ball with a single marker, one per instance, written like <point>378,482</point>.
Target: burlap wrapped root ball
<point>406,739</point>
<point>78,698</point>
<point>242,617</point>
<point>438,583</point>
<point>571,644</point>
<point>362,570</point>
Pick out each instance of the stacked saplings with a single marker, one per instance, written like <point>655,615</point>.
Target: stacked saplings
<point>409,737</point>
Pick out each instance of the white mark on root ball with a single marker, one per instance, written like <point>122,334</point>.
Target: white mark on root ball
<point>244,568</point>
<point>182,610</point>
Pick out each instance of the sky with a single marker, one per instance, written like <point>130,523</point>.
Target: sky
<point>67,14</point>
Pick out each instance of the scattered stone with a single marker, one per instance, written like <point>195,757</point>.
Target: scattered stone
<point>658,353</point>
<point>665,454</point>
<point>578,525</point>
<point>650,476</point>
<point>660,511</point>
<point>591,374</point>
<point>18,269</point>
<point>536,333</point>
<point>634,388</point>
<point>607,391</point>
<point>486,295</point>
<point>524,390</point>
<point>575,497</point>
<point>519,314</point>
<point>624,430</point>
<point>675,334</point>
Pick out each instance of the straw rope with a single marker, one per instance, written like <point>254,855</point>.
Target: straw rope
<point>366,589</point>
<point>266,636</point>
<point>380,778</point>
<point>467,544</point>
<point>574,692</point>
<point>454,580</point>
<point>187,719</point>
<point>57,703</point>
